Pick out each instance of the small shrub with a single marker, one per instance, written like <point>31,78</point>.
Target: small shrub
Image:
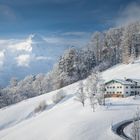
<point>41,107</point>
<point>58,97</point>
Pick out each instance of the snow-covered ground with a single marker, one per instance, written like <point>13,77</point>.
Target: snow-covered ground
<point>128,130</point>
<point>68,120</point>
<point>123,71</point>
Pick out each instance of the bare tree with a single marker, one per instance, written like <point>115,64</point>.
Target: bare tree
<point>136,126</point>
<point>96,89</point>
<point>101,90</point>
<point>80,96</point>
<point>92,89</point>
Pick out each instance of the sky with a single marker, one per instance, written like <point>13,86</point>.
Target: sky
<point>51,16</point>
<point>34,33</point>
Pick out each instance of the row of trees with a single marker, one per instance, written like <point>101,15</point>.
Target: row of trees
<point>74,65</point>
<point>117,45</point>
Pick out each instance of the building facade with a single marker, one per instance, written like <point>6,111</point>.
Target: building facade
<point>122,88</point>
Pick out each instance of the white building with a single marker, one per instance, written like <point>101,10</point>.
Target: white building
<point>119,87</point>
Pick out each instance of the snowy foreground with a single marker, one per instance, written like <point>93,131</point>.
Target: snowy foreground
<point>68,120</point>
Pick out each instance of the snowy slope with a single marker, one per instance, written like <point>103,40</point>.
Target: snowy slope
<point>22,110</point>
<point>122,71</point>
<point>68,119</point>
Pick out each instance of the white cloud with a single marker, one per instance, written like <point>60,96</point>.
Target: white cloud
<point>52,40</point>
<point>43,58</point>
<point>2,41</point>
<point>62,41</point>
<point>129,14</point>
<point>75,33</point>
<point>25,56</point>
<point>23,60</point>
<point>24,45</point>
<point>2,57</point>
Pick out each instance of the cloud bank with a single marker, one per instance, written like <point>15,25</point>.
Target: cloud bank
<point>129,14</point>
<point>34,54</point>
<point>18,58</point>
<point>23,60</point>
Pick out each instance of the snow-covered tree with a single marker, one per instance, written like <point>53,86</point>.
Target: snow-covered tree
<point>96,46</point>
<point>135,131</point>
<point>25,87</point>
<point>101,91</point>
<point>129,41</point>
<point>92,89</point>
<point>13,82</point>
<point>96,89</point>
<point>38,84</point>
<point>58,96</point>
<point>81,96</point>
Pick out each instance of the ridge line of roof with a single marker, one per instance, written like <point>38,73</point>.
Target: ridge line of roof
<point>122,81</point>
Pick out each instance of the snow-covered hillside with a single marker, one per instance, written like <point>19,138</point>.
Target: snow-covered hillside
<point>123,71</point>
<point>68,120</point>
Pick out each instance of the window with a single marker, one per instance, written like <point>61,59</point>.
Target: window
<point>120,86</point>
<point>113,87</point>
<point>126,87</point>
<point>126,92</point>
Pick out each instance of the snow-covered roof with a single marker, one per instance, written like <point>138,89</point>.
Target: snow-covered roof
<point>134,80</point>
<point>121,81</point>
